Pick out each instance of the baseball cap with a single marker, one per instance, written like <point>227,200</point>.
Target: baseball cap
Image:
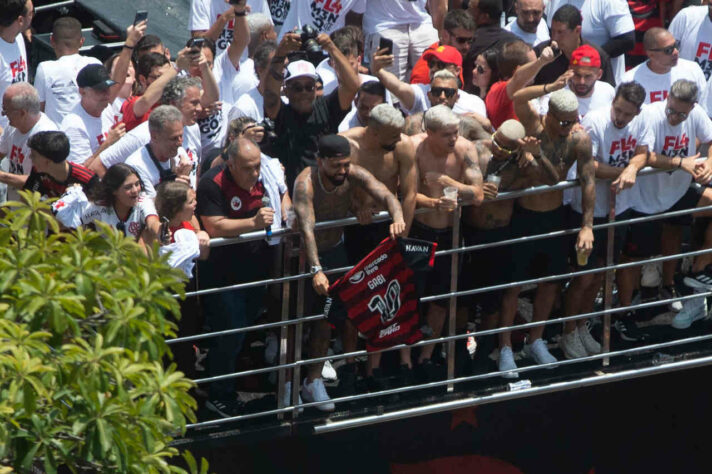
<point>300,68</point>
<point>334,146</point>
<point>95,76</point>
<point>585,55</point>
<point>446,54</point>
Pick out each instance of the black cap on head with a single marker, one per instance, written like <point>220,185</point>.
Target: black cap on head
<point>95,76</point>
<point>334,146</point>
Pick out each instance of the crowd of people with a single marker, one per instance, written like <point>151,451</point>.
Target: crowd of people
<point>282,114</point>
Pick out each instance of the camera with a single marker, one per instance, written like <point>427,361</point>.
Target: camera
<point>269,128</point>
<point>308,36</point>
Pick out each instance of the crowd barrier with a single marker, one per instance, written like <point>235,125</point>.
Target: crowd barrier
<point>451,337</point>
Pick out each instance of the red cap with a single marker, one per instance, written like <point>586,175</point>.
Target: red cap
<point>446,54</point>
<point>585,55</point>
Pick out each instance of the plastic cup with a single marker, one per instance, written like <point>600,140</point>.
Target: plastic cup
<point>450,193</point>
<point>581,257</point>
<point>494,179</point>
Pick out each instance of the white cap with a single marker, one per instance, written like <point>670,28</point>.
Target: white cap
<point>299,69</point>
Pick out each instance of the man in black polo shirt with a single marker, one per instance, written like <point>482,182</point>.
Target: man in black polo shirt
<point>307,117</point>
<point>51,173</point>
<point>566,31</point>
<point>230,204</point>
<point>488,34</point>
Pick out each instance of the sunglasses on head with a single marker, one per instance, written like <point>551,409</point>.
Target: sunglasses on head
<point>297,87</point>
<point>670,111</point>
<point>668,50</point>
<point>437,91</point>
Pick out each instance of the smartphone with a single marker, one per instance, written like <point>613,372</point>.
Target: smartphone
<point>141,15</point>
<point>197,45</point>
<point>386,43</point>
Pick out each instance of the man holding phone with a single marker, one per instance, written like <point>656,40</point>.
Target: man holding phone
<point>214,19</point>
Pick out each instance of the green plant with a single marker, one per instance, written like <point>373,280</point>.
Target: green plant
<point>83,318</point>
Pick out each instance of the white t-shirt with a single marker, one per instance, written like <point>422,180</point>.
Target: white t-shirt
<point>250,104</point>
<point>350,121</point>
<point>693,27</point>
<point>86,132</point>
<point>551,6</point>
<point>74,210</point>
<point>658,192</point>
<point>225,73</point>
<point>149,174</point>
<point>13,66</point>
<point>13,144</point>
<point>708,94</point>
<point>533,39</point>
<point>466,103</point>
<point>325,15</point>
<point>602,96</point>
<point>140,136</point>
<point>331,82</point>
<point>614,147</point>
<point>244,80</point>
<point>657,85</point>
<point>383,14</point>
<point>56,84</point>
<point>603,20</point>
<point>203,13</point>
<point>213,129</point>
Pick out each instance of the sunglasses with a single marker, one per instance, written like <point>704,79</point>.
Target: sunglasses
<point>668,50</point>
<point>480,69</point>
<point>670,111</point>
<point>437,91</point>
<point>297,88</point>
<point>568,123</point>
<point>506,150</point>
<point>462,39</point>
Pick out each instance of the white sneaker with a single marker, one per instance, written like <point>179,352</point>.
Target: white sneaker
<point>538,351</point>
<point>287,399</point>
<point>572,346</point>
<point>271,348</point>
<point>506,363</point>
<point>589,343</point>
<point>316,392</point>
<point>692,310</point>
<point>328,372</point>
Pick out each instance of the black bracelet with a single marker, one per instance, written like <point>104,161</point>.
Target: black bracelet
<point>242,13</point>
<point>127,46</point>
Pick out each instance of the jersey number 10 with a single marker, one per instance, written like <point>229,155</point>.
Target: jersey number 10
<point>388,306</point>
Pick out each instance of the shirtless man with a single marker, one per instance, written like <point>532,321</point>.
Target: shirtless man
<point>504,156</point>
<point>383,150</point>
<point>444,159</point>
<point>562,144</point>
<point>325,192</point>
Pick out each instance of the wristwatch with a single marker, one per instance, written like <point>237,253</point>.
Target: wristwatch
<point>315,269</point>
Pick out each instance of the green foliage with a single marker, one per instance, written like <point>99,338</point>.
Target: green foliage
<point>83,318</point>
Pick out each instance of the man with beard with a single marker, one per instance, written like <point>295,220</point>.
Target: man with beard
<point>529,25</point>
<point>326,192</point>
<point>382,149</point>
<point>444,159</point>
<point>543,213</point>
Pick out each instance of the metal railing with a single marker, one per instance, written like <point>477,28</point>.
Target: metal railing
<point>286,322</point>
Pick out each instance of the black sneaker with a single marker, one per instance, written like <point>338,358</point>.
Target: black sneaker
<point>701,280</point>
<point>225,408</point>
<point>628,331</point>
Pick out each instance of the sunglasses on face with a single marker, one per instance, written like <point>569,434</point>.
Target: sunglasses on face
<point>462,39</point>
<point>566,123</point>
<point>480,69</point>
<point>670,111</point>
<point>437,91</point>
<point>502,149</point>
<point>668,50</point>
<point>297,88</point>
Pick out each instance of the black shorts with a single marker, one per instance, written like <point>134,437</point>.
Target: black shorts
<point>543,257</point>
<point>330,259</point>
<point>600,240</point>
<point>644,238</point>
<point>360,240</point>
<point>437,281</point>
<point>486,267</point>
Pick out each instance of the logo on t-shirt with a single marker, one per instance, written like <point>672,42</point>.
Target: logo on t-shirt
<point>621,152</point>
<point>134,228</point>
<point>225,37</point>
<point>325,15</point>
<point>703,57</point>
<point>18,70</point>
<point>210,126</point>
<point>235,203</point>
<point>101,137</point>
<point>279,10</point>
<point>657,96</point>
<point>357,277</point>
<point>676,145</point>
<point>16,160</point>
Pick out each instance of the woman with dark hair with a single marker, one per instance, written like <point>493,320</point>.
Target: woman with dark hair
<point>175,202</point>
<point>116,200</point>
<point>485,72</point>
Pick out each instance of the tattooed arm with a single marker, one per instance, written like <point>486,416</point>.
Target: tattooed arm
<point>471,187</point>
<point>540,167</point>
<point>586,171</point>
<point>380,193</point>
<point>304,207</point>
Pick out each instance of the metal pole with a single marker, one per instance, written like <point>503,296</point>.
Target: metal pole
<point>610,275</point>
<point>453,299</point>
<point>298,331</point>
<point>284,330</point>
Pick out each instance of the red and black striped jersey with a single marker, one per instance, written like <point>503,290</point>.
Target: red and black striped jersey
<point>379,294</point>
<point>49,187</point>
